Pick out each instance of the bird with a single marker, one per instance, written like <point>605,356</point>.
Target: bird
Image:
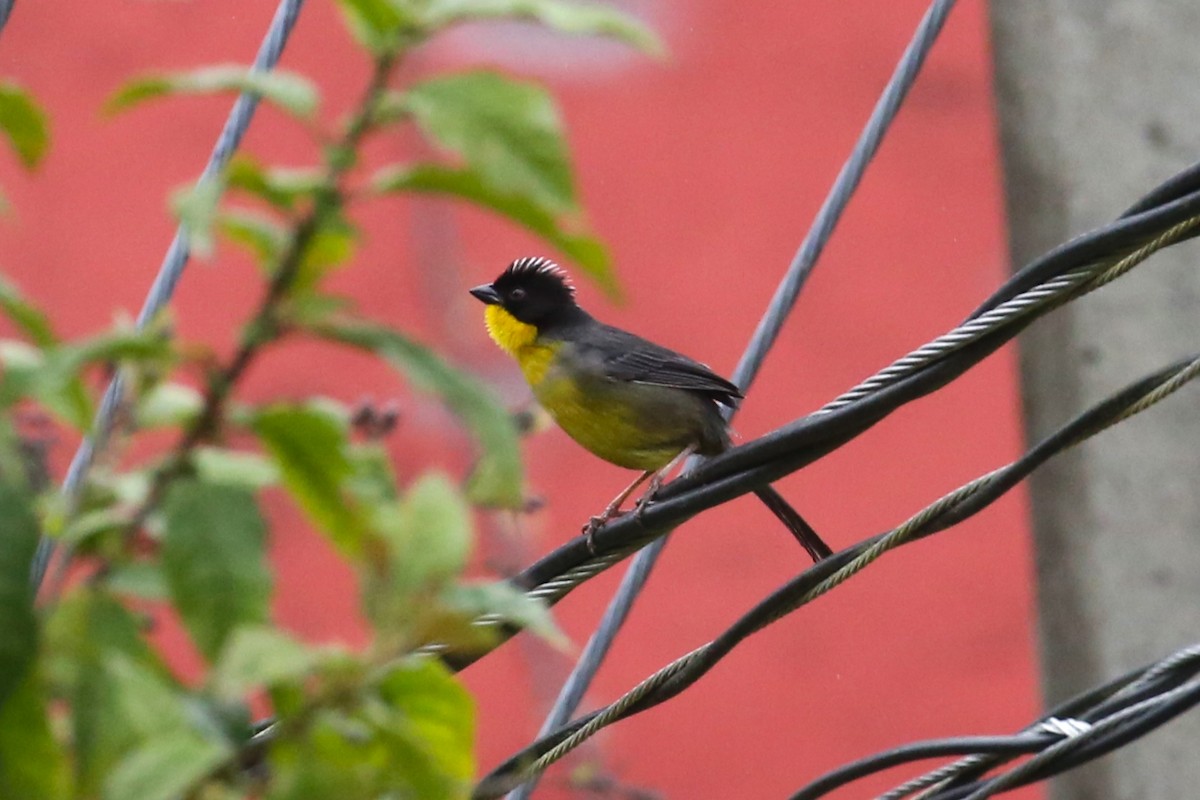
<point>627,400</point>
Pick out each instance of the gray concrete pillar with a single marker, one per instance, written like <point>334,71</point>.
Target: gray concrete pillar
<point>1098,101</point>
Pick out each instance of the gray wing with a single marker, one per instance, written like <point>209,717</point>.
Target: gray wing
<point>631,358</point>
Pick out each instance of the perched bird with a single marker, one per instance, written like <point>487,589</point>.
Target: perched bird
<point>629,401</point>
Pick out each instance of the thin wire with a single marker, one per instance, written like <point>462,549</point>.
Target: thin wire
<point>6,7</point>
<point>945,512</point>
<point>1068,744</point>
<point>558,573</point>
<point>843,189</point>
<point>1092,707</point>
<point>765,335</point>
<point>168,274</point>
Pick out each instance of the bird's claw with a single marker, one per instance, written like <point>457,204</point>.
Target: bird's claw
<point>639,508</point>
<point>596,523</point>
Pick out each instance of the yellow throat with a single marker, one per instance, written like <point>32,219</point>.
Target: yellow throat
<point>507,331</point>
<point>519,340</point>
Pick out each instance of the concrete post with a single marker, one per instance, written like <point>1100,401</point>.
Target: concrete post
<point>1098,101</point>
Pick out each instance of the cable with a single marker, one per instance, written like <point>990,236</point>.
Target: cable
<point>1105,252</point>
<point>1070,719</point>
<point>1020,744</point>
<point>168,276</point>
<point>947,511</point>
<point>6,7</point>
<point>765,335</point>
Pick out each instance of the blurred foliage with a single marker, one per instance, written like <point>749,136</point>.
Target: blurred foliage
<point>88,708</point>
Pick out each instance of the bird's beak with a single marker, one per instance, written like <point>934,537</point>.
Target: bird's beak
<point>486,294</point>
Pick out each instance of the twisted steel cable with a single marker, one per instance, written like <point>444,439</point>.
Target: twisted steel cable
<point>1032,302</point>
<point>765,335</point>
<point>1071,718</point>
<point>943,513</point>
<point>1039,300</point>
<point>169,273</point>
<point>1177,697</point>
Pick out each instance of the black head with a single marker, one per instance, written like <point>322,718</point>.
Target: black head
<point>535,290</point>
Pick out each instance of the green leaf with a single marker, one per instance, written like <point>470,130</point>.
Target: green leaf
<point>196,208</point>
<point>411,739</point>
<point>143,580</point>
<point>81,529</point>
<point>508,131</point>
<point>168,405</point>
<point>280,187</point>
<point>165,767</point>
<point>497,477</point>
<point>581,247</point>
<point>24,123</point>
<point>72,402</point>
<point>174,740</point>
<point>374,480</point>
<point>52,377</point>
<point>215,561</point>
<point>260,657</point>
<point>432,536</point>
<point>87,634</point>
<point>18,625</point>
<point>377,24</point>
<point>310,449</point>
<point>288,91</point>
<point>28,318</point>
<point>234,468</point>
<point>259,234</point>
<point>508,604</point>
<point>573,18</point>
<point>32,766</point>
<point>433,731</point>
<point>331,246</point>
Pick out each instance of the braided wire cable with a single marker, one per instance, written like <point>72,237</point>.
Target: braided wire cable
<point>168,276</point>
<point>611,714</point>
<point>562,570</point>
<point>1068,719</point>
<point>1038,300</point>
<point>1175,661</point>
<point>934,779</point>
<point>1043,298</point>
<point>946,511</point>
<point>764,337</point>
<point>571,693</point>
<point>843,189</point>
<point>1069,744</point>
<point>919,523</point>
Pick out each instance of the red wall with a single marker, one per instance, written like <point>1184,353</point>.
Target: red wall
<point>702,171</point>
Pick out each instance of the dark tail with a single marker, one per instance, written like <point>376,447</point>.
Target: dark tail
<point>795,523</point>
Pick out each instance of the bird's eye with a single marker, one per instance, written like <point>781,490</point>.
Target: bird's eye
<point>516,294</point>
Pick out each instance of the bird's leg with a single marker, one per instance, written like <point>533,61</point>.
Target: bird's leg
<point>656,481</point>
<point>612,510</point>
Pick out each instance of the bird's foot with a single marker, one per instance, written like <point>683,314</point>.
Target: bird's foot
<point>596,523</point>
<point>639,508</point>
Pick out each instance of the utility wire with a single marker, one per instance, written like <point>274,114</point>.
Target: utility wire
<point>819,579</point>
<point>1077,718</point>
<point>760,344</point>
<point>168,275</point>
<point>1165,215</point>
<point>6,7</point>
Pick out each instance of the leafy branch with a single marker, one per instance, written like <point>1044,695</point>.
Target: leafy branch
<point>179,533</point>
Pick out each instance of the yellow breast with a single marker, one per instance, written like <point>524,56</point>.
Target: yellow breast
<point>519,340</point>
<point>631,425</point>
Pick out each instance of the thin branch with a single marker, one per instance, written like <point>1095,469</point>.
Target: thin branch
<point>265,326</point>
